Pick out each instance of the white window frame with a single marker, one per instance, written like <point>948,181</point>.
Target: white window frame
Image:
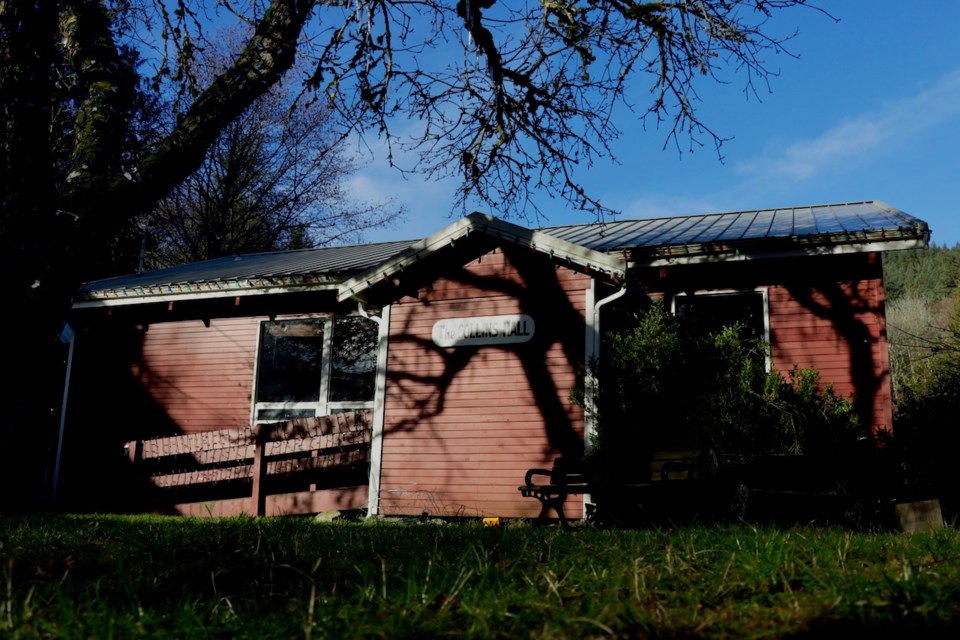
<point>763,291</point>
<point>322,406</point>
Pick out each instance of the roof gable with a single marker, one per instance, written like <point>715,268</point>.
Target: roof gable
<point>491,232</point>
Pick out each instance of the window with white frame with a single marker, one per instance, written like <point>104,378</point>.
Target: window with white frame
<point>710,311</point>
<point>315,366</point>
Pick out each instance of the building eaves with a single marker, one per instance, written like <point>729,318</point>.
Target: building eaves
<point>250,274</point>
<point>605,249</point>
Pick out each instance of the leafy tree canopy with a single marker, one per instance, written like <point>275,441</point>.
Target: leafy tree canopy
<point>510,96</point>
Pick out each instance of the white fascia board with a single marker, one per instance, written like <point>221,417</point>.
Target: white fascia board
<point>409,256</point>
<point>124,300</point>
<point>493,227</point>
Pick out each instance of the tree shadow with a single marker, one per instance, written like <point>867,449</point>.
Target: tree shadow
<point>111,403</point>
<point>536,291</point>
<point>115,410</point>
<point>513,402</point>
<point>109,406</point>
<point>844,308</point>
<point>825,313</point>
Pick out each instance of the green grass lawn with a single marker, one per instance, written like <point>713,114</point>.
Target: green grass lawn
<point>153,577</point>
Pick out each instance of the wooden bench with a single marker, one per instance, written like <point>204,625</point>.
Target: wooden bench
<point>253,461</point>
<point>580,477</point>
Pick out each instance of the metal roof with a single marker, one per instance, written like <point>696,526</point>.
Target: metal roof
<point>854,219</point>
<point>847,227</point>
<point>303,266</point>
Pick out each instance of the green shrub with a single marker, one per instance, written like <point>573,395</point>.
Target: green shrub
<point>927,402</point>
<point>664,387</point>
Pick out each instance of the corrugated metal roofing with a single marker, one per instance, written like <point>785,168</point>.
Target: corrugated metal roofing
<point>815,224</point>
<point>332,261</point>
<point>797,222</point>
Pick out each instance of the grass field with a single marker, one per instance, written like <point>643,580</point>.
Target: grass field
<point>154,577</point>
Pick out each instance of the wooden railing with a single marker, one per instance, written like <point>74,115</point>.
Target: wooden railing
<point>259,456</point>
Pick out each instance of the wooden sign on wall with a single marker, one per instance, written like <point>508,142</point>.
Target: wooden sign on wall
<point>486,330</point>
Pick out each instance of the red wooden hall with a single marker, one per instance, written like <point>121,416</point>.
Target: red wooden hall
<point>450,359</point>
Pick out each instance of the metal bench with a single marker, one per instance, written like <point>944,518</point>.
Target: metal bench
<point>581,477</point>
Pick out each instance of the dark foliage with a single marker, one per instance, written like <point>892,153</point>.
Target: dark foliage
<point>665,387</point>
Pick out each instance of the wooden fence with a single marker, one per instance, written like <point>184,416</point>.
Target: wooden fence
<point>262,457</point>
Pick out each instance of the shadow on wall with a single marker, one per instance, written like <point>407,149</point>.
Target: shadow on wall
<point>464,423</point>
<point>529,284</point>
<point>109,406</point>
<point>113,416</point>
<point>847,292</point>
<point>845,308</point>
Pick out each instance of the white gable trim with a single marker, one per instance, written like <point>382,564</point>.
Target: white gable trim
<point>612,265</point>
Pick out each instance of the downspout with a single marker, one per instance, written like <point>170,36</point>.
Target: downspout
<point>379,403</point>
<point>592,352</point>
<point>593,355</point>
<point>67,335</point>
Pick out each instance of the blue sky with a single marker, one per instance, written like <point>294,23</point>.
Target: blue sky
<point>869,110</point>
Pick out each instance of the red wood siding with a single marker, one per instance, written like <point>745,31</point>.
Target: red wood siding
<point>202,376</point>
<point>462,425</point>
<point>170,379</point>
<point>803,339</point>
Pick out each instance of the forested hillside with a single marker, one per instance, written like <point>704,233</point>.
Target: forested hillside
<point>929,272</point>
<point>922,315</point>
<point>923,322</point>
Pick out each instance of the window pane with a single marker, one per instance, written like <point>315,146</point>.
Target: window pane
<point>291,358</point>
<point>355,341</point>
<point>706,314</point>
